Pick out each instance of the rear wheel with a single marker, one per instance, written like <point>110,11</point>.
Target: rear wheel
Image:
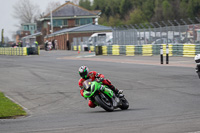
<point>125,104</point>
<point>105,102</point>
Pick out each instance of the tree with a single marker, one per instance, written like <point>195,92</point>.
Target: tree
<point>193,8</point>
<point>25,11</point>
<point>148,9</point>
<point>115,21</point>
<point>52,6</point>
<point>167,10</point>
<point>137,17</point>
<point>158,16</point>
<point>183,9</point>
<point>108,11</point>
<point>100,5</point>
<point>75,1</point>
<point>125,6</point>
<point>85,4</point>
<point>2,36</point>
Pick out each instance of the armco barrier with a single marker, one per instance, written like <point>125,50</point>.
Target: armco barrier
<point>19,51</point>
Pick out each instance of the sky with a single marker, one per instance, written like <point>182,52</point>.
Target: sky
<point>8,22</point>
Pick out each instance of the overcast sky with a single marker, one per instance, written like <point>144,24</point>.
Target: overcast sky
<point>7,22</point>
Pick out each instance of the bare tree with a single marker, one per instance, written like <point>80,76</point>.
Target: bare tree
<point>51,6</point>
<point>26,11</point>
<point>75,1</point>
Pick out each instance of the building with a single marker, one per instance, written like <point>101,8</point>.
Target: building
<point>65,37</point>
<point>26,29</point>
<point>20,34</point>
<point>32,27</point>
<point>67,15</point>
<point>30,39</point>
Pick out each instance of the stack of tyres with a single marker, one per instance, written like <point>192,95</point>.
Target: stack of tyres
<point>32,50</point>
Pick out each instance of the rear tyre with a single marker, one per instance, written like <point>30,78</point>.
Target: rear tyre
<point>105,102</point>
<point>125,104</point>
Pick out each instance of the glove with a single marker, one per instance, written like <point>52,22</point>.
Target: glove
<point>99,79</point>
<point>81,91</point>
<point>97,75</point>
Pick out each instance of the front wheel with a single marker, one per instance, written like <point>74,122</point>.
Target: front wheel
<point>198,74</point>
<point>104,101</point>
<point>124,104</point>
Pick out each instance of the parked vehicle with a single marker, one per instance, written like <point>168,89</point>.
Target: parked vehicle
<point>162,41</point>
<point>98,39</point>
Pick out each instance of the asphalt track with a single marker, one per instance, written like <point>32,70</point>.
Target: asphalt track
<point>162,98</point>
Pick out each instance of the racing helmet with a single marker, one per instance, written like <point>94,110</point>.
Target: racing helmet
<point>83,71</point>
<point>197,58</point>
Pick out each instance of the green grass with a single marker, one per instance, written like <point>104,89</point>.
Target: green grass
<point>9,109</point>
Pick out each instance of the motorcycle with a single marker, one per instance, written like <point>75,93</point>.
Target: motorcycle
<point>197,60</point>
<point>103,96</point>
<point>198,70</point>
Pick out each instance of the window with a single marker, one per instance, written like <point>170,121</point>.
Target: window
<point>65,22</point>
<point>77,22</point>
<point>57,22</point>
<point>83,21</point>
<point>26,28</point>
<point>60,22</point>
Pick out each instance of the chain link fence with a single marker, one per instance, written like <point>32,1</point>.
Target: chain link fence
<point>181,34</point>
<point>80,43</point>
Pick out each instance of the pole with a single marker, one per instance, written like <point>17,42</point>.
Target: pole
<point>51,22</point>
<point>167,46</point>
<point>161,54</point>
<point>167,54</point>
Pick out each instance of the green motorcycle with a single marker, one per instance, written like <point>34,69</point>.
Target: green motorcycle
<point>104,97</point>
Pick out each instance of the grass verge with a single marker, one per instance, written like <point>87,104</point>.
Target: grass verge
<point>9,109</point>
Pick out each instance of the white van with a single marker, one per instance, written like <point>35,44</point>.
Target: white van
<point>102,38</point>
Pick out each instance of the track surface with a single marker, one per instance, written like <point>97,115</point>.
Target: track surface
<point>162,98</point>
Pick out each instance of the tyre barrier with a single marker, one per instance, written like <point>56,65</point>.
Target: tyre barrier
<point>185,50</point>
<point>19,51</point>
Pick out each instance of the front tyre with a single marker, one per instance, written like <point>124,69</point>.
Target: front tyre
<point>124,103</point>
<point>198,74</point>
<point>105,102</point>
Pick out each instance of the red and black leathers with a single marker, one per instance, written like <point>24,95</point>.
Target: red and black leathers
<point>93,75</point>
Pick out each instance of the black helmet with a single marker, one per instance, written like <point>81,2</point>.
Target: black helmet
<point>83,71</point>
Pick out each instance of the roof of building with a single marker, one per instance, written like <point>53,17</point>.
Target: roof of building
<point>33,35</point>
<point>84,28</point>
<point>70,10</point>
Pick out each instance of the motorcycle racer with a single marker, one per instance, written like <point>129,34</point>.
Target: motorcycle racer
<point>93,75</point>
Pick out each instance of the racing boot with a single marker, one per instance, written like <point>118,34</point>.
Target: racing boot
<point>116,91</point>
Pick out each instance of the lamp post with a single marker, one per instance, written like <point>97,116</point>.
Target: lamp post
<point>173,29</point>
<point>160,29</point>
<point>178,27</point>
<point>139,32</point>
<point>186,35</point>
<point>51,22</point>
<point>192,29</point>
<point>154,30</point>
